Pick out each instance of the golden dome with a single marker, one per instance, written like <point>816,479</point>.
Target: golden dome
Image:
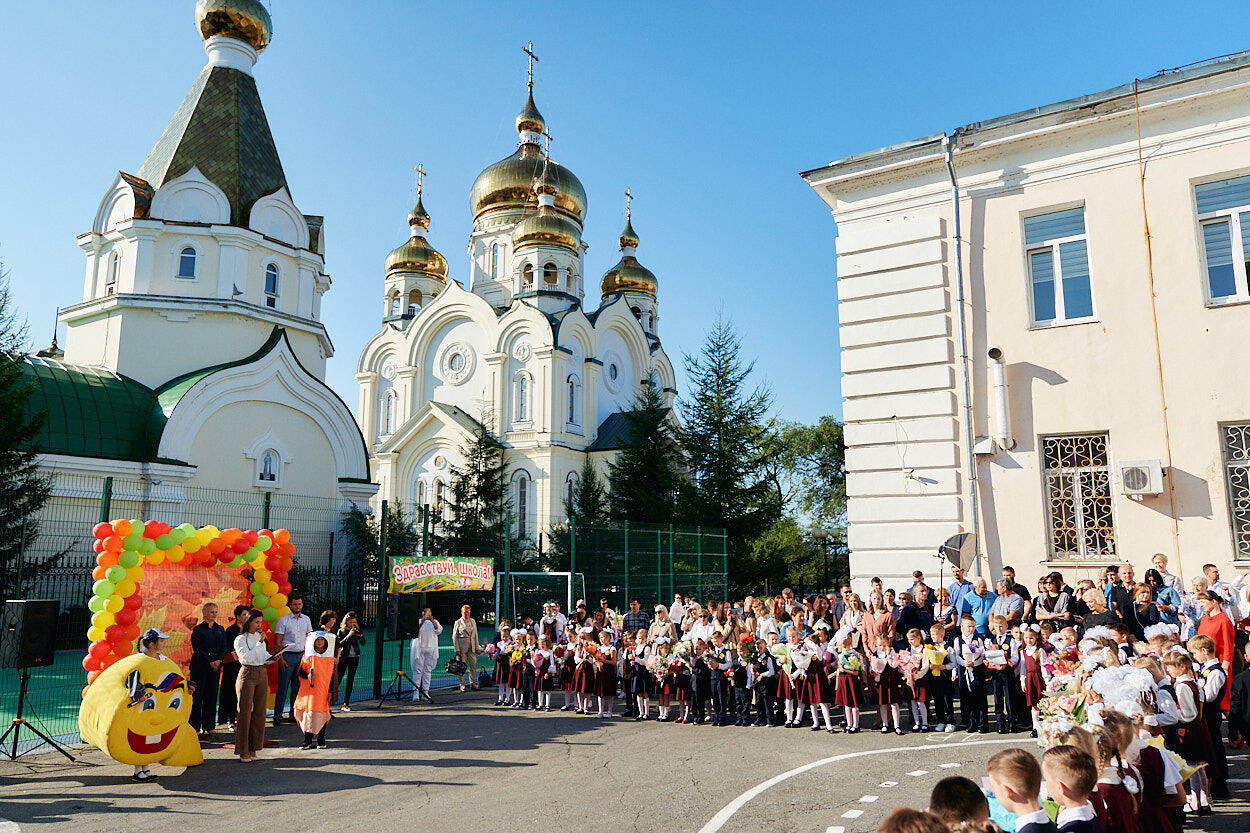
<point>529,118</point>
<point>245,20</point>
<point>417,256</point>
<point>418,216</point>
<point>629,238</point>
<point>547,227</point>
<point>628,275</point>
<point>509,184</point>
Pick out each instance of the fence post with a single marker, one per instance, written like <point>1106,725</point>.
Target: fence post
<point>380,624</point>
<point>626,561</point>
<point>507,568</point>
<point>423,512</point>
<point>699,538</point>
<point>672,569</point>
<point>724,560</point>
<point>106,500</point>
<point>265,504</point>
<point>572,562</point>
<point>21,563</point>
<point>659,565</point>
<point>330,559</point>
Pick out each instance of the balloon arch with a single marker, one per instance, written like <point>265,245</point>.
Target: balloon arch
<point>122,549</point>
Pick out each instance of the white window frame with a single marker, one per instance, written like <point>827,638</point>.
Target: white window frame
<point>271,298</point>
<point>388,413</point>
<point>112,272</point>
<point>521,482</point>
<point>523,398</point>
<point>195,262</point>
<point>1233,216</point>
<point>573,391</point>
<point>493,257</point>
<point>1053,245</point>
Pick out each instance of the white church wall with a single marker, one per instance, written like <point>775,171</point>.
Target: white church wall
<point>453,371</point>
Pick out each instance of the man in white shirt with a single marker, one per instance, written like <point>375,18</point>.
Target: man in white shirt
<point>292,629</point>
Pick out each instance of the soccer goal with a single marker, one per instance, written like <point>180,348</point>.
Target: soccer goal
<point>528,591</point>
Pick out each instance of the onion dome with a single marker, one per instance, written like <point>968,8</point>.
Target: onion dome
<point>245,20</point>
<point>628,275</point>
<point>509,183</point>
<point>547,226</point>
<point>417,257</point>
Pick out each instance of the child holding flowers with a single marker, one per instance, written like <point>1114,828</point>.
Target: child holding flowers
<point>659,665</point>
<point>541,660</point>
<point>938,683</point>
<point>564,656</point>
<point>847,691</point>
<point>501,662</point>
<point>640,684</point>
<point>786,690</point>
<point>915,672</point>
<point>584,671</point>
<point>817,691</point>
<point>885,684</point>
<point>1033,674</point>
<point>605,674</point>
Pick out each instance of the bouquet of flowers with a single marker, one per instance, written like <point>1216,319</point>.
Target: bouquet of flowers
<point>537,660</point>
<point>517,655</point>
<point>1064,661</point>
<point>908,663</point>
<point>746,648</point>
<point>935,655</point>
<point>850,662</point>
<point>877,665</point>
<point>490,649</point>
<point>658,666</point>
<point>801,659</point>
<point>683,649</point>
<point>559,652</point>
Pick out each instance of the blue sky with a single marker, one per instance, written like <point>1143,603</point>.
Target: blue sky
<point>707,111</point>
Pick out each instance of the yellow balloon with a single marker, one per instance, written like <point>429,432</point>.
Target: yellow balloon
<point>114,603</point>
<point>269,588</point>
<point>262,575</point>
<point>191,544</point>
<point>173,555</point>
<point>95,634</point>
<point>282,611</point>
<point>278,600</point>
<point>135,574</point>
<point>213,532</point>
<point>157,557</point>
<point>126,588</point>
<point>102,620</point>
<point>203,536</point>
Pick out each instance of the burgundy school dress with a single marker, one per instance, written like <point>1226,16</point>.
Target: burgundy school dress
<point>542,679</point>
<point>501,667</point>
<point>918,687</point>
<point>816,687</point>
<point>677,685</point>
<point>846,690</point>
<point>584,677</point>
<point>786,689</point>
<point>1117,810</point>
<point>1193,741</point>
<point>1034,683</point>
<point>605,674</point>
<point>886,686</point>
<point>1154,816</point>
<point>516,670</point>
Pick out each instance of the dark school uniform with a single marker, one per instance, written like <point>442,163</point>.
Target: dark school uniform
<point>700,688</point>
<point>973,704</point>
<point>719,682</point>
<point>1003,681</point>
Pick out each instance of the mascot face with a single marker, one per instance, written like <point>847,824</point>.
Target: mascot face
<point>137,712</point>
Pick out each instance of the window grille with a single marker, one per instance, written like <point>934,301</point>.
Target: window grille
<point>1079,500</point>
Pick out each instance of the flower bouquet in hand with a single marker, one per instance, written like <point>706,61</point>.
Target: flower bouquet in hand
<point>517,655</point>
<point>490,649</point>
<point>658,667</point>
<point>746,647</point>
<point>801,659</point>
<point>850,662</point>
<point>683,649</point>
<point>908,664</point>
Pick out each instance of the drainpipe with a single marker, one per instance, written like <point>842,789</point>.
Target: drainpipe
<point>964,368</point>
<point>1002,409</point>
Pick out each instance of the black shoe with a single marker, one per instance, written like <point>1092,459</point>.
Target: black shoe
<point>277,721</point>
<point>306,745</point>
<point>144,776</point>
<point>985,730</point>
<point>1003,730</point>
<point>852,731</point>
<point>815,727</point>
<point>638,717</point>
<point>498,702</point>
<point>1032,733</point>
<point>899,732</point>
<point>321,744</point>
<point>972,730</point>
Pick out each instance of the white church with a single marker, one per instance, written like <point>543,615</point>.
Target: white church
<point>511,347</point>
<point>197,354</point>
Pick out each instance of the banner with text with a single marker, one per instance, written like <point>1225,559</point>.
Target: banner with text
<point>430,575</point>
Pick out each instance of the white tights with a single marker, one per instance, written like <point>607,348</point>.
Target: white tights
<point>894,712</point>
<point>919,713</point>
<point>644,705</point>
<point>852,717</point>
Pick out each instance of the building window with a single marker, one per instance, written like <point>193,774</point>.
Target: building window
<point>572,386</point>
<point>1058,257</point>
<point>523,394</point>
<point>1078,496</point>
<point>440,495</point>
<point>1237,472</point>
<point>494,260</point>
<point>390,406</point>
<point>551,275</point>
<point>186,263</point>
<point>414,301</point>
<point>110,274</point>
<point>527,275</point>
<point>271,286</point>
<point>522,503</point>
<point>1223,213</point>
<point>420,496</point>
<point>392,303</point>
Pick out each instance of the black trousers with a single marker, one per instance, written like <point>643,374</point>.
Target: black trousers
<point>203,698</point>
<point>698,696</point>
<point>1217,771</point>
<point>942,690</point>
<point>742,698</point>
<point>764,701</point>
<point>1004,700</point>
<point>973,707</point>
<point>349,665</point>
<point>228,701</point>
<point>720,698</point>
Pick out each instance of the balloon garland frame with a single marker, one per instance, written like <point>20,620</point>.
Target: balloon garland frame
<point>122,549</point>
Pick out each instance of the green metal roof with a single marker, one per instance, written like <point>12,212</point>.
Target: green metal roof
<point>171,393</point>
<point>92,411</point>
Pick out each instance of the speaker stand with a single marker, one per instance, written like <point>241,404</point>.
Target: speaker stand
<point>15,729</point>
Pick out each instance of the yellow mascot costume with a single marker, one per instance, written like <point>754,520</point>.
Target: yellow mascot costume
<point>137,712</point>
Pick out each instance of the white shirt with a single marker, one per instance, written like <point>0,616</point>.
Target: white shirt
<point>676,611</point>
<point>427,635</point>
<point>1084,813</point>
<point>294,629</point>
<point>699,631</point>
<point>251,648</point>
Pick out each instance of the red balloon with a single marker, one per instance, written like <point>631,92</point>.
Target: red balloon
<point>284,587</point>
<point>252,537</point>
<point>102,530</point>
<point>272,564</point>
<point>226,556</point>
<point>241,545</point>
<point>114,634</point>
<point>278,575</point>
<point>133,602</point>
<point>99,650</point>
<point>151,529</point>
<point>97,545</point>
<point>132,633</point>
<point>125,617</point>
<point>122,649</point>
<point>90,663</point>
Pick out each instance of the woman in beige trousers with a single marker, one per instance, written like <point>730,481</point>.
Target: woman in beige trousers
<point>252,687</point>
<point>464,642</point>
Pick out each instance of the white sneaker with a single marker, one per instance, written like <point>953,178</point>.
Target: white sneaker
<point>941,727</point>
<point>414,695</point>
<point>950,729</point>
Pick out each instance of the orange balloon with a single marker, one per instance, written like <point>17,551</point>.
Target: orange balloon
<point>216,545</point>
<point>282,535</point>
<point>230,535</point>
<point>113,544</point>
<point>107,559</point>
<point>122,528</point>
<point>98,572</point>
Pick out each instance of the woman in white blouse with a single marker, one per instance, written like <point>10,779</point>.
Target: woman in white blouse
<point>424,652</point>
<point>252,687</point>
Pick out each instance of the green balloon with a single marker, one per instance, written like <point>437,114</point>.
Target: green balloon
<point>128,559</point>
<point>133,540</point>
<point>256,588</point>
<point>96,604</point>
<point>147,547</point>
<point>263,543</point>
<point>260,602</point>
<point>116,573</point>
<point>164,542</point>
<point>104,587</point>
<point>270,614</point>
<point>178,534</point>
<point>237,562</point>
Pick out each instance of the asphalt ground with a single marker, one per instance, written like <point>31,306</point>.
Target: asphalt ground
<point>463,764</point>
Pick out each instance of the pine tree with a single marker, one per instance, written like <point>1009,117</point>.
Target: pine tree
<point>727,433</point>
<point>476,517</point>
<point>361,532</point>
<point>644,478</point>
<point>23,488</point>
<point>590,501</point>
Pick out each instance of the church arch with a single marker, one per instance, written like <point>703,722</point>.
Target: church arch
<point>414,301</point>
<point>573,400</point>
<point>551,275</point>
<point>527,277</point>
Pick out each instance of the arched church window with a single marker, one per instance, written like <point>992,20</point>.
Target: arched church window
<point>414,301</point>
<point>392,303</point>
<point>420,494</point>
<point>494,260</point>
<point>522,503</point>
<point>550,274</point>
<point>390,405</point>
<point>527,275</point>
<point>186,263</point>
<point>110,275</point>
<point>637,313</point>
<point>524,392</point>
<point>572,386</point>
<point>440,493</point>
<point>271,286</point>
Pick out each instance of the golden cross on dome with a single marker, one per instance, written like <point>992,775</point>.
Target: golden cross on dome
<point>528,49</point>
<point>629,203</point>
<point>420,177</point>
<point>549,139</point>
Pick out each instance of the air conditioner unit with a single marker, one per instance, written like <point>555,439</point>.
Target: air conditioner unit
<point>1141,477</point>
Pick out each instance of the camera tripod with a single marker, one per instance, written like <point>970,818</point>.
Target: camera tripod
<point>15,729</point>
<point>395,691</point>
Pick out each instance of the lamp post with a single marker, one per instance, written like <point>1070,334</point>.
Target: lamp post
<point>823,536</point>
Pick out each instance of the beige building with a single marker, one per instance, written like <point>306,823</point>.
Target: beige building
<point>1060,368</point>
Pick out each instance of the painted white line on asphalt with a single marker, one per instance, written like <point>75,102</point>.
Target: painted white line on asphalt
<point>916,773</point>
<point>852,814</point>
<point>888,784</point>
<point>7,826</point>
<point>727,812</point>
<point>835,829</point>
<point>868,799</point>
<point>950,766</point>
<point>1239,780</point>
